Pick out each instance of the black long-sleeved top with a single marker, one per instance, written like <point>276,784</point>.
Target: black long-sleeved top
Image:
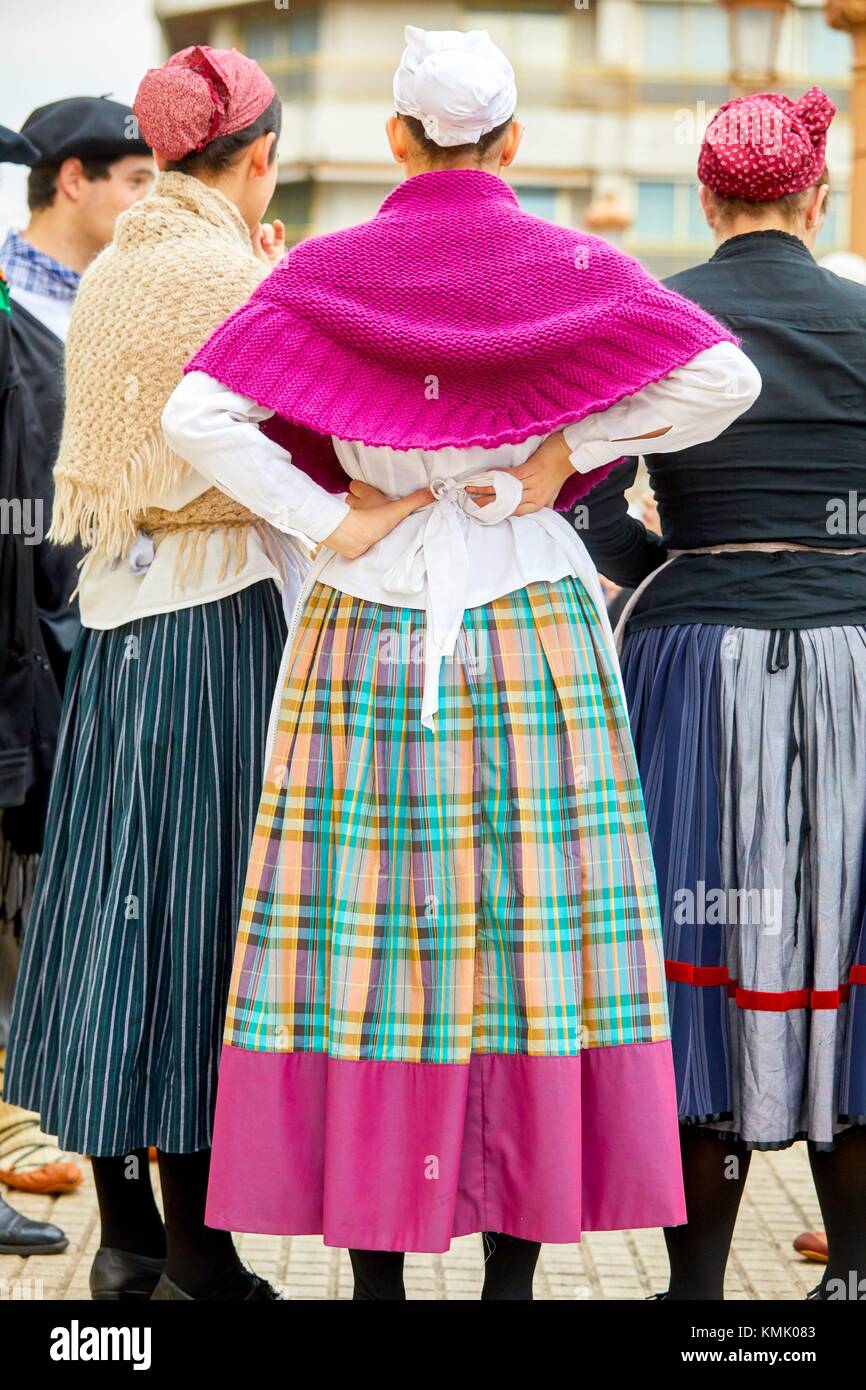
<point>29,699</point>
<point>40,356</point>
<point>791,468</point>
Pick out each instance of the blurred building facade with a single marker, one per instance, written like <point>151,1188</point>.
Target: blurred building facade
<point>614,95</point>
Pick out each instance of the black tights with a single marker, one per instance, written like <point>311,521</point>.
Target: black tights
<point>840,1181</point>
<point>714,1175</point>
<point>714,1171</point>
<point>201,1261</point>
<point>509,1264</point>
<point>128,1214</point>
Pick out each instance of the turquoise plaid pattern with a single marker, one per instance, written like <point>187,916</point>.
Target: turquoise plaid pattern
<point>489,887</point>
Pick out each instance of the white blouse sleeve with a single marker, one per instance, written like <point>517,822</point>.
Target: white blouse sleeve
<point>697,401</point>
<point>216,431</point>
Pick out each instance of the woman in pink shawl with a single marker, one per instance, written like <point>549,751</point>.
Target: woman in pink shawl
<point>448,1005</point>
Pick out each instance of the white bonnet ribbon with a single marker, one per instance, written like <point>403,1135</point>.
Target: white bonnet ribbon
<point>459,85</point>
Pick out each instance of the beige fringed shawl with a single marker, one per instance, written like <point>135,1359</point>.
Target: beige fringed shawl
<point>181,262</point>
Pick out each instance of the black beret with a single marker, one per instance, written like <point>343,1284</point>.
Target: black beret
<point>15,148</point>
<point>83,128</point>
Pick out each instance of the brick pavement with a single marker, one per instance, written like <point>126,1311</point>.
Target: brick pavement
<point>780,1202</point>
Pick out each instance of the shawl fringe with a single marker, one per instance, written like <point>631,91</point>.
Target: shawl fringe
<point>106,520</point>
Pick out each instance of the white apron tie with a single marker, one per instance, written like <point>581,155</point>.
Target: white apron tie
<point>440,557</point>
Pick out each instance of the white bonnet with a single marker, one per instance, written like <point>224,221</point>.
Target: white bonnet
<point>459,85</point>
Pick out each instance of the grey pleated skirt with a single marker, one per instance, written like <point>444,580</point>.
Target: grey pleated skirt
<point>752,751</point>
<point>127,954</point>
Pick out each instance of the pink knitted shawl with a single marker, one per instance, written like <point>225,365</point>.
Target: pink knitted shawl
<point>453,317</point>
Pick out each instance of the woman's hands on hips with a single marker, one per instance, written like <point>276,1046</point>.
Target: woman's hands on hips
<point>372,517</point>
<point>363,496</point>
<point>542,476</point>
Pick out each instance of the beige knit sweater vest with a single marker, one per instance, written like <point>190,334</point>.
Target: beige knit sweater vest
<point>181,262</point>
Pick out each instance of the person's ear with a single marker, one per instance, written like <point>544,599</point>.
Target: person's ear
<point>161,161</point>
<point>397,138</point>
<point>708,208</point>
<point>512,144</point>
<point>260,153</point>
<point>817,209</point>
<point>70,178</point>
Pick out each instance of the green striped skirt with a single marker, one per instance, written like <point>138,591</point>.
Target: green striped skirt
<point>127,955</point>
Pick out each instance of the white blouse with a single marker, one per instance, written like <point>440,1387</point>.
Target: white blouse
<point>147,582</point>
<point>451,555</point>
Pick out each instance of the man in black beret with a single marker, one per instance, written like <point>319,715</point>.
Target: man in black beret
<point>87,165</point>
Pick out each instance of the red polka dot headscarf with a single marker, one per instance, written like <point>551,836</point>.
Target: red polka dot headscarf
<point>764,146</point>
<point>200,94</point>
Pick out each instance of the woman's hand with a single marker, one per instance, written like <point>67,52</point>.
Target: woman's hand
<point>269,241</point>
<point>542,476</point>
<point>362,496</point>
<point>366,524</point>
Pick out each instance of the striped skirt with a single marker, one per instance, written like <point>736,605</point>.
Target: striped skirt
<point>126,963</point>
<point>447,1010</point>
<point>752,751</point>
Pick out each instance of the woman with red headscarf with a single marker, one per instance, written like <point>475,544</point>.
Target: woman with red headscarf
<point>744,658</point>
<point>127,956</point>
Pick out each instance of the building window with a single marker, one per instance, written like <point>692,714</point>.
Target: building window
<point>669,214</point>
<point>655,211</point>
<point>834,232</point>
<point>538,39</point>
<point>284,47</point>
<point>821,51</point>
<point>540,201</point>
<point>683,38</point>
<point>292,203</point>
<point>697,229</point>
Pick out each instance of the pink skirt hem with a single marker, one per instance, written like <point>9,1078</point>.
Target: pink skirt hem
<point>406,1156</point>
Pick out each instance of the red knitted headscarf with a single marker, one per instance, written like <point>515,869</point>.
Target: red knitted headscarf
<point>200,94</point>
<point>764,146</point>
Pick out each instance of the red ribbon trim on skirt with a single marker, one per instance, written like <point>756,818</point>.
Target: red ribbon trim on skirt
<point>773,1001</point>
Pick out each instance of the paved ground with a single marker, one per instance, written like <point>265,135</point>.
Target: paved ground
<point>780,1202</point>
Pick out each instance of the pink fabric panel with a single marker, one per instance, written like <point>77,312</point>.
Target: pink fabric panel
<point>632,1169</point>
<point>404,1156</point>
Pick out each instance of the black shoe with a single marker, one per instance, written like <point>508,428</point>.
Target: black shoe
<point>117,1276</point>
<point>258,1289</point>
<point>20,1236</point>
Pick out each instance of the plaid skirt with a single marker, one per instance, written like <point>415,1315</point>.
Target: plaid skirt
<point>127,953</point>
<point>447,1009</point>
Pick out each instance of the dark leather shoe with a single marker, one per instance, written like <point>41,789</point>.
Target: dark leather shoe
<point>20,1236</point>
<point>117,1276</point>
<point>259,1290</point>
